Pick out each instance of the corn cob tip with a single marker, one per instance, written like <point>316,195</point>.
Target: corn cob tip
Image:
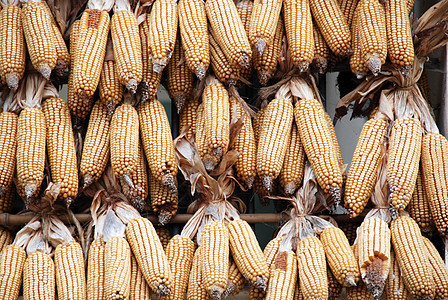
<point>169,181</point>
<point>303,66</point>
<point>45,70</point>
<point>86,181</point>
<point>374,64</point>
<point>216,292</point>
<point>350,279</point>
<point>200,71</point>
<point>244,61</point>
<point>68,201</point>
<point>163,290</point>
<point>60,67</point>
<point>250,182</point>
<point>229,289</point>
<point>374,279</point>
<point>209,163</point>
<point>132,85</point>
<point>360,75</point>
<point>335,192</point>
<point>260,45</point>
<point>290,188</point>
<point>264,76</point>
<point>261,283</point>
<point>164,217</point>
<point>320,64</point>
<point>160,63</point>
<point>180,100</point>
<point>12,80</point>
<point>127,179</point>
<point>267,182</point>
<point>30,190</point>
<point>110,107</point>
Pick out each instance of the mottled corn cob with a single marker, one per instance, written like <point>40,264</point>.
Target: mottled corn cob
<point>117,271</point>
<point>263,21</point>
<point>283,274</point>
<point>334,287</point>
<point>7,199</point>
<point>349,230</point>
<point>164,236</point>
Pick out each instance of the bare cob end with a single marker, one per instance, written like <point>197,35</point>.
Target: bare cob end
<point>260,45</point>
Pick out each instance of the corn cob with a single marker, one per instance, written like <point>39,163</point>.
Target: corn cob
<point>96,270</point>
<point>193,30</point>
<point>312,268</point>
<point>110,87</point>
<point>348,8</point>
<point>258,123</point>
<point>373,248</point>
<point>403,160</point>
<point>229,29</point>
<point>61,148</point>
<point>309,114</point>
<point>180,78</point>
<point>399,37</point>
<point>434,150</point>
<point>200,133</point>
<point>321,51</point>
<point>8,149</point>
<point>410,5</point>
<point>283,274</point>
<point>95,152</point>
<point>30,152</point>
<point>72,97</point>
<point>236,280</point>
<point>127,48</point>
<point>215,100</point>
<point>196,289</point>
<point>124,140</point>
<point>180,253</point>
<point>395,288</point>
<point>298,293</point>
<point>163,201</point>
<point>163,20</point>
<point>362,174</point>
<point>39,277</point>
<point>292,171</point>
<point>439,270</point>
<point>334,287</point>
<point>150,79</point>
<point>340,256</point>
<point>299,32</point>
<point>357,63</point>
<point>263,21</point>
<point>139,192</point>
<point>214,258</point>
<point>329,18</point>
<point>187,119</point>
<point>150,256</point>
<point>7,199</point>
<point>273,140</point>
<point>5,238</point>
<point>373,34</point>
<point>40,40</point>
<point>139,288</point>
<point>117,271</point>
<point>418,207</point>
<point>158,143</point>
<point>245,144</point>
<point>12,261</point>
<point>349,230</point>
<point>221,66</point>
<point>245,9</point>
<point>247,253</point>
<point>70,272</point>
<point>266,64</point>
<point>412,257</point>
<point>13,50</point>
<point>334,138</point>
<point>164,236</point>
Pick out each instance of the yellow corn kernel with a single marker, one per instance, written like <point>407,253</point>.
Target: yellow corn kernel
<point>357,64</point>
<point>164,236</point>
<point>348,9</point>
<point>221,66</point>
<point>321,51</point>
<point>236,281</point>
<point>196,289</point>
<point>334,287</point>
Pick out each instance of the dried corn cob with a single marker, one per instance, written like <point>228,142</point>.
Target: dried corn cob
<point>187,119</point>
<point>158,143</point>
<point>150,256</point>
<point>8,149</point>
<point>199,137</point>
<point>258,123</point>
<point>321,51</point>
<point>373,248</point>
<point>340,257</point>
<point>412,257</point>
<point>418,207</point>
<point>372,34</point>
<point>334,287</point>
<point>95,152</point>
<point>266,64</point>
<point>273,140</point>
<point>245,144</point>
<point>163,201</point>
<point>70,272</point>
<point>180,252</point>
<point>299,32</point>
<point>180,78</point>
<point>96,270</point>
<point>399,37</point>
<point>214,258</point>
<point>221,66</point>
<point>348,9</point>
<point>163,19</point>
<point>334,138</point>
<point>310,117</point>
<point>312,268</point>
<point>434,150</point>
<point>13,50</point>
<point>196,289</point>
<point>193,30</point>
<point>245,9</point>
<point>403,160</point>
<point>127,47</point>
<point>110,87</point>
<point>283,274</point>
<point>357,63</point>
<point>395,288</point>
<point>363,169</point>
<point>292,171</point>
<point>236,280</point>
<point>150,79</point>
<point>117,271</point>
<point>40,40</point>
<point>329,18</point>
<point>72,97</point>
<point>124,141</point>
<point>439,269</point>
<point>410,5</point>
<point>5,238</point>
<point>164,236</point>
<point>263,21</point>
<point>61,148</point>
<point>39,277</point>
<point>139,288</point>
<point>12,261</point>
<point>229,29</point>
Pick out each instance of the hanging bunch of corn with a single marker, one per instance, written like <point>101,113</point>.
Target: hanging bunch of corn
<point>439,269</point>
<point>127,46</point>
<point>13,50</point>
